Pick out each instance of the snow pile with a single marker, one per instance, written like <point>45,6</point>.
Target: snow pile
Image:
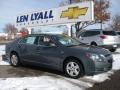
<point>38,83</point>
<point>2,49</point>
<point>116,63</point>
<point>4,62</point>
<point>2,52</point>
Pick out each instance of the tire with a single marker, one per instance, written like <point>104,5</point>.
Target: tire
<point>14,60</point>
<point>93,44</point>
<point>73,69</point>
<point>112,50</point>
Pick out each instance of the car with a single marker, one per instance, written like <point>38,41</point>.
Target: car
<point>61,53</point>
<point>97,37</point>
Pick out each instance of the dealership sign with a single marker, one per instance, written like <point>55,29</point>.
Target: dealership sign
<point>68,14</point>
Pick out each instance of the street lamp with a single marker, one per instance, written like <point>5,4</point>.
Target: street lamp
<point>101,15</point>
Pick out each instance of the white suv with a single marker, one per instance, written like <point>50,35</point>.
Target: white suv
<point>98,37</point>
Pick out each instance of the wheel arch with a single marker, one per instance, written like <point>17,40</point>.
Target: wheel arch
<point>93,43</point>
<point>13,52</point>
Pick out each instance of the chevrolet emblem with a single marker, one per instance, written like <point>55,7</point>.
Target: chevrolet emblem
<point>74,12</point>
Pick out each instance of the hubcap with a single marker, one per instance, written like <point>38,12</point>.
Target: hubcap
<point>14,60</point>
<point>73,69</point>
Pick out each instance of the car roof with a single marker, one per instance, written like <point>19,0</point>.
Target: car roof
<point>44,34</point>
<point>117,31</point>
<point>98,30</point>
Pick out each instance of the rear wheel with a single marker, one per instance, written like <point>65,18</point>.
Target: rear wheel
<point>14,60</point>
<point>73,68</point>
<point>112,50</point>
<point>93,44</point>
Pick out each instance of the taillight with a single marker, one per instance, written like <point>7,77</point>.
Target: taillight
<point>103,37</point>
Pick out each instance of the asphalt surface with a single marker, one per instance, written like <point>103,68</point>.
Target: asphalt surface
<point>7,71</point>
<point>112,84</point>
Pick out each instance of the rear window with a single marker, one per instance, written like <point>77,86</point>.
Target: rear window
<point>113,33</point>
<point>91,33</point>
<point>118,33</point>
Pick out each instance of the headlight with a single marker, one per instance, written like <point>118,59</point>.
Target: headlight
<point>102,56</point>
<point>96,57</point>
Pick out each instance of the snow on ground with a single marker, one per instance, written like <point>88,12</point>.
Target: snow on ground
<point>116,63</point>
<point>37,83</point>
<point>2,52</point>
<point>51,83</point>
<point>2,49</point>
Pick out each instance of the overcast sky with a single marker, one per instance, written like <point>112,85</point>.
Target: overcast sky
<point>11,8</point>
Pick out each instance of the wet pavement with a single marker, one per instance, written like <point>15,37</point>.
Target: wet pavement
<point>7,71</point>
<point>112,84</point>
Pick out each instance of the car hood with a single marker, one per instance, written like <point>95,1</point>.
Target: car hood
<point>92,49</point>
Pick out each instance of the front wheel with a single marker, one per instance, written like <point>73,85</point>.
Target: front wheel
<point>14,60</point>
<point>73,69</point>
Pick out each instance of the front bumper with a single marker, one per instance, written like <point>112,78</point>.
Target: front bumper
<point>105,66</point>
<point>110,46</point>
<point>100,67</point>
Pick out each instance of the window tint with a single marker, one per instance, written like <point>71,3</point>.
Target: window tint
<point>44,41</point>
<point>91,33</point>
<point>82,34</point>
<point>28,40</point>
<point>113,33</point>
<point>118,33</point>
<point>67,41</point>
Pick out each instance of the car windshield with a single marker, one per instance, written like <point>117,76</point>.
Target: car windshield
<point>68,41</point>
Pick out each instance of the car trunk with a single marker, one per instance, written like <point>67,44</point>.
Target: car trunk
<point>110,37</point>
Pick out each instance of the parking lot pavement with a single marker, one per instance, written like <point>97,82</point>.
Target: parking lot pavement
<point>112,84</point>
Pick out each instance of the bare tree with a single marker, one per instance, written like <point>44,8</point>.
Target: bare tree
<point>115,25</point>
<point>10,29</point>
<point>101,14</point>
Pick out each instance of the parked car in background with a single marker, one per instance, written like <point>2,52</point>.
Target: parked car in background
<point>98,37</point>
<point>61,53</point>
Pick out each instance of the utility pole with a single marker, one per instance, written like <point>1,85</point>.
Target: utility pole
<point>101,15</point>
<point>70,2</point>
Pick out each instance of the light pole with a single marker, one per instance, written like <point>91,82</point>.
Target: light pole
<point>101,15</point>
<point>70,2</point>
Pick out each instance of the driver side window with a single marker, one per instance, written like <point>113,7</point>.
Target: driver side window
<point>28,40</point>
<point>44,41</point>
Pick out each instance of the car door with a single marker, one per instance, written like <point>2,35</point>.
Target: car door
<point>90,36</point>
<point>27,47</point>
<point>48,53</point>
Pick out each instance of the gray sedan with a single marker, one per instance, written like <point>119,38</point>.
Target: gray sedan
<point>61,53</point>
